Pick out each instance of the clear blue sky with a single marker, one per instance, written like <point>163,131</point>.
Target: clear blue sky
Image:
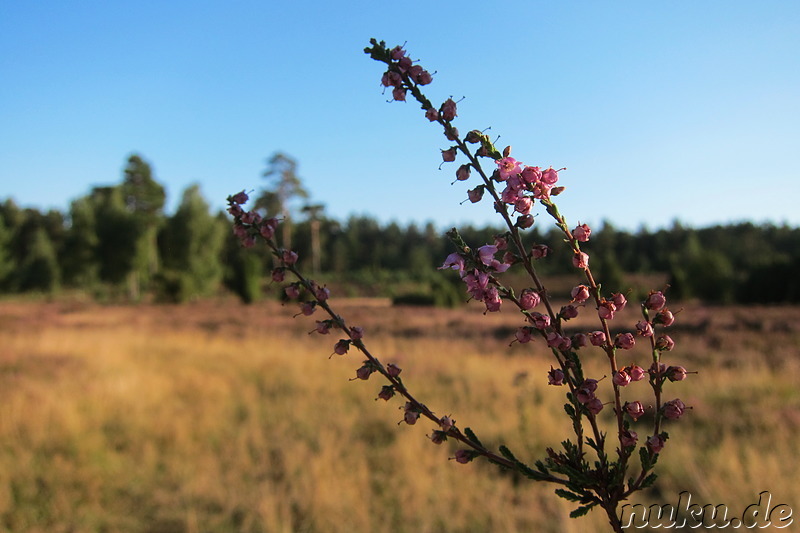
<point>685,110</point>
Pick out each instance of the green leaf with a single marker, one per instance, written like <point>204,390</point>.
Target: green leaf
<point>471,435</point>
<point>649,480</point>
<point>567,495</point>
<point>580,511</point>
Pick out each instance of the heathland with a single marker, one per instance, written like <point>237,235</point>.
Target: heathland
<point>215,416</point>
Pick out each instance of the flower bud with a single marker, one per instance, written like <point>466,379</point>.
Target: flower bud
<point>581,233</point>
<point>619,300</point>
<point>665,317</point>
<point>463,172</point>
<point>634,409</point>
<point>539,320</point>
<point>555,376</point>
<point>606,309</point>
<point>580,294</point>
<point>579,340</point>
<point>451,133</point>
<point>393,370</point>
<point>432,115</point>
<point>539,251</point>
<point>449,155</point>
<point>644,328</point>
<point>655,301</point>
<point>636,372</point>
<point>476,194</point>
<point>292,292</point>
<point>341,347</point>
<point>624,341</point>
<point>364,372</point>
<point>580,260</point>
<point>674,409</point>
<point>523,335</point>
<point>465,456</point>
<point>597,338</point>
<point>621,378</point>
<point>438,436</point>
<point>323,327</point>
<point>656,443</point>
<point>525,221</point>
<point>448,110</point>
<point>386,393</point>
<point>628,438</point>
<point>278,275</point>
<point>594,406</point>
<point>446,423</point>
<point>529,299</point>
<point>676,373</point>
<point>399,94</point>
<point>356,333</point>
<point>288,257</point>
<point>239,198</point>
<point>568,312</point>
<point>664,343</point>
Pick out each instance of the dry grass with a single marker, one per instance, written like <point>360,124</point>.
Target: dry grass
<point>217,417</point>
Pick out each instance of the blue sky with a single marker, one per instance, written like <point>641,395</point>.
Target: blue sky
<point>684,110</point>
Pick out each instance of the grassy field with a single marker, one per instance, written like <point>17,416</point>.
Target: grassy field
<point>219,417</point>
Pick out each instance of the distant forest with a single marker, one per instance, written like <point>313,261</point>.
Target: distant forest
<point>117,244</point>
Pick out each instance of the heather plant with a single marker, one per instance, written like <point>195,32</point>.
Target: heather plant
<point>615,444</point>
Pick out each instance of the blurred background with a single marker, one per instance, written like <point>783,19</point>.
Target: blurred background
<point>154,380</point>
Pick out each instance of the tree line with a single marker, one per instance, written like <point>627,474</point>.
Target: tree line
<point>117,243</point>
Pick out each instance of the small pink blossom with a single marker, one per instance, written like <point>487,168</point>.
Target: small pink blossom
<point>463,172</point>
<point>619,300</point>
<point>555,376</point>
<point>644,328</point>
<point>674,409</point>
<point>581,233</point>
<point>475,194</point>
<point>665,317</point>
<point>539,320</point>
<point>492,299</point>
<point>398,53</point>
<point>529,299</point>
<point>453,261</point>
<point>423,78</point>
<point>356,333</point>
<point>308,308</point>
<point>634,409</point>
<point>289,257</point>
<point>594,405</point>
<point>606,309</point>
<point>580,260</point>
<point>656,443</point>
<point>579,340</point>
<point>523,335</point>
<point>523,205</point>
<point>636,372</point>
<point>399,94</point>
<point>448,110</point>
<point>432,115</point>
<point>664,343</point>
<point>464,456</point>
<point>549,177</point>
<point>251,217</point>
<point>507,166</point>
<point>278,274</point>
<point>628,438</point>
<point>597,338</point>
<point>676,373</point>
<point>568,312</point>
<point>341,347</point>
<point>446,423</point>
<point>449,155</point>
<point>393,370</point>
<point>386,393</point>
<point>323,327</point>
<point>364,372</point>
<point>621,378</point>
<point>239,198</point>
<point>539,251</point>
<point>655,301</point>
<point>624,341</point>
<point>531,174</point>
<point>292,292</point>
<point>525,221</point>
<point>580,294</point>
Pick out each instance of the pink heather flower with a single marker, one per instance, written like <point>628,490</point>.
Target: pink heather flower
<point>292,292</point>
<point>492,299</point>
<point>625,341</point>
<point>566,344</point>
<point>628,438</point>
<point>525,221</point>
<point>664,343</point>
<point>676,373</point>
<point>386,393</point>
<point>398,53</point>
<point>341,347</point>
<point>323,327</point>
<point>619,300</point>
<point>475,194</point>
<point>239,198</point>
<point>236,210</point>
<point>523,205</point>
<point>580,260</point>
<point>251,217</point>
<point>621,378</point>
<point>410,417</point>
<point>486,255</point>
<point>404,64</point>
<point>321,293</point>
<point>289,257</point>
<point>364,372</point>
<point>553,339</point>
<point>539,320</point>
<point>581,233</point>
<point>665,317</point>
<point>278,275</point>
<point>453,261</point>
<point>531,175</point>
<point>393,370</point>
<point>423,78</point>
<point>644,328</point>
<point>657,369</point>
<point>449,155</point>
<point>399,94</point>
<point>594,406</point>
<point>655,301</point>
<point>555,376</point>
<point>636,372</point>
<point>656,443</point>
<point>568,312</point>
<point>240,231</point>
<point>634,409</point>
<point>476,283</point>
<point>584,395</point>
<point>597,338</point>
<point>448,110</point>
<point>606,309</point>
<point>432,115</point>
<point>579,340</point>
<point>438,436</point>
<point>507,166</point>
<point>539,251</point>
<point>674,409</point>
<point>529,299</point>
<point>463,172</point>
<point>266,231</point>
<point>580,294</point>
<point>510,195</point>
<point>446,423</point>
<point>308,308</point>
<point>249,241</point>
<point>523,334</point>
<point>464,456</point>
<point>589,384</point>
<point>549,177</point>
<point>356,333</point>
<point>451,133</point>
